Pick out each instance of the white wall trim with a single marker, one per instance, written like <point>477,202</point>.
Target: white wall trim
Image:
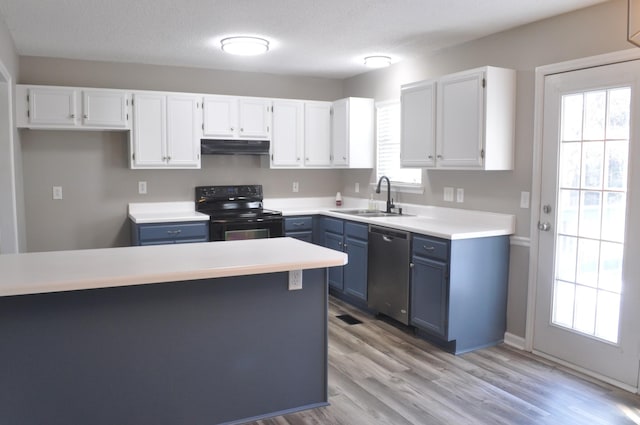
<point>9,239</point>
<point>514,341</point>
<point>536,181</point>
<point>588,372</point>
<point>520,241</point>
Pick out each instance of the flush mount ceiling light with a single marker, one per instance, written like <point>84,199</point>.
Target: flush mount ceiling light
<point>633,22</point>
<point>377,61</point>
<point>245,46</point>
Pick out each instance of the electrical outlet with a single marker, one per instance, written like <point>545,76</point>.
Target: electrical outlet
<point>357,187</point>
<point>296,187</point>
<point>295,280</point>
<point>460,195</point>
<point>448,194</point>
<point>524,199</point>
<point>57,192</point>
<point>142,188</point>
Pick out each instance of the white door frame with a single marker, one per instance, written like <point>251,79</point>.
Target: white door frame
<point>536,182</point>
<point>9,239</point>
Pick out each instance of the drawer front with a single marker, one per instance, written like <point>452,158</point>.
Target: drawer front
<point>424,246</point>
<point>297,224</point>
<point>333,225</point>
<point>194,231</point>
<point>356,230</point>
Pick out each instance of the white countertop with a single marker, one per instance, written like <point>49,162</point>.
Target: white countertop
<point>164,212</point>
<point>446,223</point>
<point>58,271</point>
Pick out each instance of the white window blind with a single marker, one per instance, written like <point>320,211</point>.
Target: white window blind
<point>388,142</point>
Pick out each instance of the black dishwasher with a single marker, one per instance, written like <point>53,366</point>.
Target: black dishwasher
<point>388,270</point>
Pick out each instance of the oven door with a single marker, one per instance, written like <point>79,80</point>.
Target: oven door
<point>232,230</point>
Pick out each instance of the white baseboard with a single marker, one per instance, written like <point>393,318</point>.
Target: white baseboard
<point>514,341</point>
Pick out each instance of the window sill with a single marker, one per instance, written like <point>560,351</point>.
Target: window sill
<point>401,187</point>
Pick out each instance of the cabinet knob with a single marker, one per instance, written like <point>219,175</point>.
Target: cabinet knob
<point>72,116</point>
<point>411,265</point>
<point>298,159</point>
<point>168,158</point>
<point>242,129</point>
<point>85,116</point>
<point>231,128</point>
<point>344,157</point>
<point>430,157</point>
<point>306,159</point>
<point>439,156</point>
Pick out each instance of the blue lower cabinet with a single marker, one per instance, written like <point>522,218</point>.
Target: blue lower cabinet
<point>458,295</point>
<point>350,280</point>
<point>300,227</point>
<point>334,241</point>
<point>169,233</point>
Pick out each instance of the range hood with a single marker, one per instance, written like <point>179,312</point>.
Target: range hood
<point>234,147</point>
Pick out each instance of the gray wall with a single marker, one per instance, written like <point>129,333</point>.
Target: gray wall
<point>92,167</point>
<point>12,238</point>
<point>592,31</point>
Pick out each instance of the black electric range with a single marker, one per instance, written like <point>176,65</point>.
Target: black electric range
<point>236,212</point>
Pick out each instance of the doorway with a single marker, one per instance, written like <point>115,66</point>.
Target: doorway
<point>588,276</point>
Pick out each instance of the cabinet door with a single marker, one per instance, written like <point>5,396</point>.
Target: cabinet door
<point>149,130</point>
<point>254,118</point>
<point>220,116</point>
<point>340,133</point>
<point>183,131</point>
<point>317,134</point>
<point>105,109</point>
<point>355,272</point>
<point>418,130</point>
<point>429,296</point>
<point>460,127</point>
<point>288,134</point>
<point>334,241</point>
<point>52,106</point>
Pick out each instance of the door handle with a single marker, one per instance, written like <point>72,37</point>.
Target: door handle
<point>545,227</point>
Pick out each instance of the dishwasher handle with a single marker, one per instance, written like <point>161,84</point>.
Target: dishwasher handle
<point>389,234</point>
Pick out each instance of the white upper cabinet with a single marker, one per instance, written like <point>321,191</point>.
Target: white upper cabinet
<point>287,138</point>
<point>183,131</point>
<point>418,130</point>
<point>220,116</point>
<point>254,116</point>
<point>352,144</point>
<point>166,131</point>
<point>474,121</point>
<point>317,134</point>
<point>231,117</point>
<point>48,107</point>
<point>104,108</point>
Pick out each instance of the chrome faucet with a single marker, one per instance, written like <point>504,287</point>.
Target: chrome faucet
<point>389,201</point>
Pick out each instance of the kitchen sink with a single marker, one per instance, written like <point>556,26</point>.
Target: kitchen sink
<point>369,213</point>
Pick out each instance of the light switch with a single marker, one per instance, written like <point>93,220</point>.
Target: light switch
<point>460,195</point>
<point>142,188</point>
<point>296,187</point>
<point>524,199</point>
<point>448,194</point>
<point>357,187</point>
<point>57,192</point>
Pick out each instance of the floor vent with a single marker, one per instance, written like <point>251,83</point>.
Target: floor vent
<point>349,319</point>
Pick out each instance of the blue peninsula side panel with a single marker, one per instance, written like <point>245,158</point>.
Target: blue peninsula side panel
<point>197,352</point>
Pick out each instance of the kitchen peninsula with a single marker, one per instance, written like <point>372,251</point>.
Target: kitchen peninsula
<point>167,334</point>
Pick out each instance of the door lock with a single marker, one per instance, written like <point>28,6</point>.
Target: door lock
<point>545,227</point>
<point>546,209</point>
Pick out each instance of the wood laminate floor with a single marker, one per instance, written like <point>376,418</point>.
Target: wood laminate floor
<point>379,374</point>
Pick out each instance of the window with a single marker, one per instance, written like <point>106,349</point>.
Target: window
<point>388,144</point>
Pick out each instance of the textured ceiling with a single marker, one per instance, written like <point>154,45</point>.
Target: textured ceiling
<point>323,38</point>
